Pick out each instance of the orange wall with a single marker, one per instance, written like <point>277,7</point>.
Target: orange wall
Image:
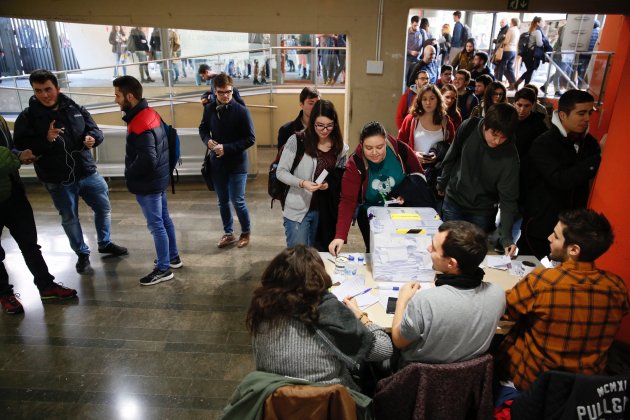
<point>611,192</point>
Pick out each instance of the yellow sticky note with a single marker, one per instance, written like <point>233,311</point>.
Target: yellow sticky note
<point>406,216</point>
<point>402,231</point>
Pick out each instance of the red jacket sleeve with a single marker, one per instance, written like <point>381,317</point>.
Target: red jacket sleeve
<point>349,198</point>
<point>401,110</point>
<point>450,130</point>
<point>405,134</point>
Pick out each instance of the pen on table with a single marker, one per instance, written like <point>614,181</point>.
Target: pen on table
<point>361,293</point>
<point>388,288</point>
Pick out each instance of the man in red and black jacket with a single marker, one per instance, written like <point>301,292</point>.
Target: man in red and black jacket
<point>147,174</point>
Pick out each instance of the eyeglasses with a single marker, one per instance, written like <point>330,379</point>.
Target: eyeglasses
<point>224,92</point>
<point>324,127</point>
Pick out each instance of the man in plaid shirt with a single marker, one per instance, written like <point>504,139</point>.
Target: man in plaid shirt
<point>565,317</point>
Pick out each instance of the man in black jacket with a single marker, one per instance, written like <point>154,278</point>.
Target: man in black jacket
<point>17,215</point>
<point>308,98</point>
<point>561,164</point>
<point>60,134</point>
<point>147,174</point>
<point>227,130</point>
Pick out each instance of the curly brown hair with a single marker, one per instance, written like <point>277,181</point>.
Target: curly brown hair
<point>417,110</point>
<point>292,287</point>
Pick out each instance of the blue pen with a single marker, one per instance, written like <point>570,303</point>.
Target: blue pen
<point>388,288</point>
<point>361,293</point>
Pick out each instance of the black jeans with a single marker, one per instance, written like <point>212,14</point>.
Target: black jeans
<point>17,215</point>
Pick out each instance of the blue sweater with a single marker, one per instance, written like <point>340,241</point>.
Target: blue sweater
<point>234,130</point>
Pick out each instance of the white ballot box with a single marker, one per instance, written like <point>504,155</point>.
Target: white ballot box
<point>399,237</point>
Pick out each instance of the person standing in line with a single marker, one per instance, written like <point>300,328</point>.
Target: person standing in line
<point>308,98</point>
<point>176,52</point>
<point>61,133</point>
<point>449,93</point>
<point>324,149</point>
<point>529,58</point>
<point>147,174</point>
<point>118,40</point>
<point>561,164</point>
<point>414,42</point>
<point>16,214</point>
<point>140,47</point>
<point>421,78</point>
<point>227,130</point>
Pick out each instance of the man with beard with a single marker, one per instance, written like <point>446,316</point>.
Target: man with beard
<point>61,134</point>
<point>565,317</point>
<point>147,174</point>
<point>457,319</point>
<point>560,166</point>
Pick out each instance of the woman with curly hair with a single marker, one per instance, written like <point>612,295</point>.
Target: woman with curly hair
<point>301,330</point>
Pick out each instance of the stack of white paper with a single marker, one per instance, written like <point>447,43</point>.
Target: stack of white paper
<point>399,241</point>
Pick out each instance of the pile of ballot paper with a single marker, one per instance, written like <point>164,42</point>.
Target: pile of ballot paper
<point>399,238</point>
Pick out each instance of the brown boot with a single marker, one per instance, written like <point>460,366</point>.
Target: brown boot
<point>243,240</point>
<point>226,240</point>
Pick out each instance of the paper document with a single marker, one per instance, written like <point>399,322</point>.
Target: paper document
<point>366,299</point>
<point>349,288</point>
<point>322,177</point>
<point>500,262</point>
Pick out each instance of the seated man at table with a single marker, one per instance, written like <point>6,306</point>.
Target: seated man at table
<point>456,320</point>
<point>565,317</point>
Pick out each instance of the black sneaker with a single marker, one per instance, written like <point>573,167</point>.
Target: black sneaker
<point>83,263</point>
<point>156,276</point>
<point>113,249</point>
<point>174,263</point>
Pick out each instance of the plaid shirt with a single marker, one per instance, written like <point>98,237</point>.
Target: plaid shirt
<point>566,318</point>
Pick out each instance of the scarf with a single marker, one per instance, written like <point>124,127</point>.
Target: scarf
<point>461,281</point>
<point>220,108</point>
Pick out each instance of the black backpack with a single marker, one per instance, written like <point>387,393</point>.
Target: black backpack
<point>523,44</point>
<point>174,153</point>
<point>277,189</point>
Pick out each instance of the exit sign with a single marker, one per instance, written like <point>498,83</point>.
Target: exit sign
<point>518,4</point>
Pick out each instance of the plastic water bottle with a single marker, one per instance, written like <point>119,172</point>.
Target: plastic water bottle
<point>351,268</point>
<point>360,263</point>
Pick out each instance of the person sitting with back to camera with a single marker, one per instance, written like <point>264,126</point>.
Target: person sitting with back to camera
<point>301,330</point>
<point>456,320</point>
<point>373,173</point>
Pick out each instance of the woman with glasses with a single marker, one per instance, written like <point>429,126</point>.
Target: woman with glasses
<point>495,94</point>
<point>372,177</point>
<point>318,148</point>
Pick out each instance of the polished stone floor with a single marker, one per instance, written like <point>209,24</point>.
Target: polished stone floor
<point>175,350</point>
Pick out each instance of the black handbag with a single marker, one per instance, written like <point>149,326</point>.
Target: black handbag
<point>206,170</point>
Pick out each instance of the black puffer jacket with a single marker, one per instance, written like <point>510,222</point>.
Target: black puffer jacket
<point>66,159</point>
<point>146,152</point>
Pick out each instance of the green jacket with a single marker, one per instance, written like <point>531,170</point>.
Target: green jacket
<point>247,401</point>
<point>8,164</point>
<point>477,177</point>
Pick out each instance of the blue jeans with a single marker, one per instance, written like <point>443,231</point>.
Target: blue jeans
<point>93,189</point>
<point>231,188</point>
<point>507,65</point>
<point>302,232</point>
<point>451,211</point>
<point>155,210</point>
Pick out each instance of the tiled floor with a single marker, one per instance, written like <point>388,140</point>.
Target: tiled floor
<point>175,350</point>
